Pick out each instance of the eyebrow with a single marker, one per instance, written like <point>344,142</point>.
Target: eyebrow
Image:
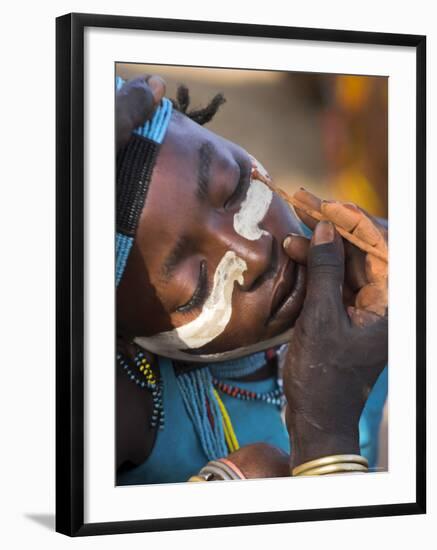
<point>204,169</point>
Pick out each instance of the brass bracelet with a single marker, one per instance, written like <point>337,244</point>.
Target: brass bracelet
<point>339,468</point>
<point>218,470</point>
<point>222,469</point>
<point>236,472</point>
<point>198,478</point>
<point>328,461</point>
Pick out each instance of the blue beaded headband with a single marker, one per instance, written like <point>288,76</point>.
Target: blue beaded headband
<point>135,163</point>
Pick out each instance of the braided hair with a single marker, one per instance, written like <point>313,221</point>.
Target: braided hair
<point>201,116</point>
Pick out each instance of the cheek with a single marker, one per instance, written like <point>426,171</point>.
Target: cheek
<point>214,317</point>
<point>246,326</point>
<point>180,289</point>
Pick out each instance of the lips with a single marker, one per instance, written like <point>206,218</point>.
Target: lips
<point>283,286</point>
<point>288,293</point>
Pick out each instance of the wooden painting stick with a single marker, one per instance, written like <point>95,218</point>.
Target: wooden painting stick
<point>365,247</point>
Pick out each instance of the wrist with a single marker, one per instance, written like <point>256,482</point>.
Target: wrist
<point>309,442</point>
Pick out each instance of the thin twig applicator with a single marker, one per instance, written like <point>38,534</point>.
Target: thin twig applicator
<point>296,203</point>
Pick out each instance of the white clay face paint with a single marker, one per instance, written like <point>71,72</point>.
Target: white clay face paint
<point>212,321</point>
<point>217,310</point>
<point>255,206</point>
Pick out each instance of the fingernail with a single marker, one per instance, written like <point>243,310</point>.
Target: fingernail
<point>287,241</point>
<point>323,233</point>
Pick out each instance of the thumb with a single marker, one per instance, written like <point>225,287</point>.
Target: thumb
<point>135,103</point>
<point>325,269</point>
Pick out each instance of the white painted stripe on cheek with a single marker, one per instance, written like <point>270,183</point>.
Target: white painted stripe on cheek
<point>216,312</point>
<point>253,210</point>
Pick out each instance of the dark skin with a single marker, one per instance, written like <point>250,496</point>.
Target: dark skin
<point>327,379</point>
<point>135,104</point>
<point>324,402</point>
<point>205,225</point>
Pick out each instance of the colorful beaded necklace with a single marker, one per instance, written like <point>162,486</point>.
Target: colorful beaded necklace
<point>142,374</point>
<point>200,387</point>
<point>274,397</point>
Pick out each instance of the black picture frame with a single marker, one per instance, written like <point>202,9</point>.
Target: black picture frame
<point>70,272</point>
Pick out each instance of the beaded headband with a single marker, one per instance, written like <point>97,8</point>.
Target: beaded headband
<point>135,163</point>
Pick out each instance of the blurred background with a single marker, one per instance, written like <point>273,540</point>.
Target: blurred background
<point>324,132</point>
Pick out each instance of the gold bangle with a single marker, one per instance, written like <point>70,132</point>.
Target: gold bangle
<point>341,467</point>
<point>239,474</point>
<point>197,478</point>
<point>328,460</point>
<point>221,470</point>
<point>217,470</point>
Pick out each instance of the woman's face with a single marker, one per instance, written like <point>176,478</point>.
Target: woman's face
<point>207,276</point>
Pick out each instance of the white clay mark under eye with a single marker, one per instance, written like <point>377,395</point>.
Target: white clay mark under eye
<point>217,310</point>
<point>212,321</point>
<point>254,207</point>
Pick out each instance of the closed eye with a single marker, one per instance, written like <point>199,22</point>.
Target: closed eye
<point>199,296</point>
<point>241,188</point>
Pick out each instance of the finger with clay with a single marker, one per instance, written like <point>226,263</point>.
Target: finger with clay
<point>366,277</point>
<point>332,361</point>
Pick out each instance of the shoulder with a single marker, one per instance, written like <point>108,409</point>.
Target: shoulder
<point>135,432</point>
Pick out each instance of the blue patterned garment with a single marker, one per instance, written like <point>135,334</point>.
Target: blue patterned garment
<point>178,452</point>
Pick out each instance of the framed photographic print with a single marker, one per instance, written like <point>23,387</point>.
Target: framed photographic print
<point>240,274</point>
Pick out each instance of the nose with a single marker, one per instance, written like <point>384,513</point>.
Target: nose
<point>260,255</point>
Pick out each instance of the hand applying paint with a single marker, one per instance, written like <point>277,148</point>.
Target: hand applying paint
<point>366,276</point>
<point>332,363</point>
